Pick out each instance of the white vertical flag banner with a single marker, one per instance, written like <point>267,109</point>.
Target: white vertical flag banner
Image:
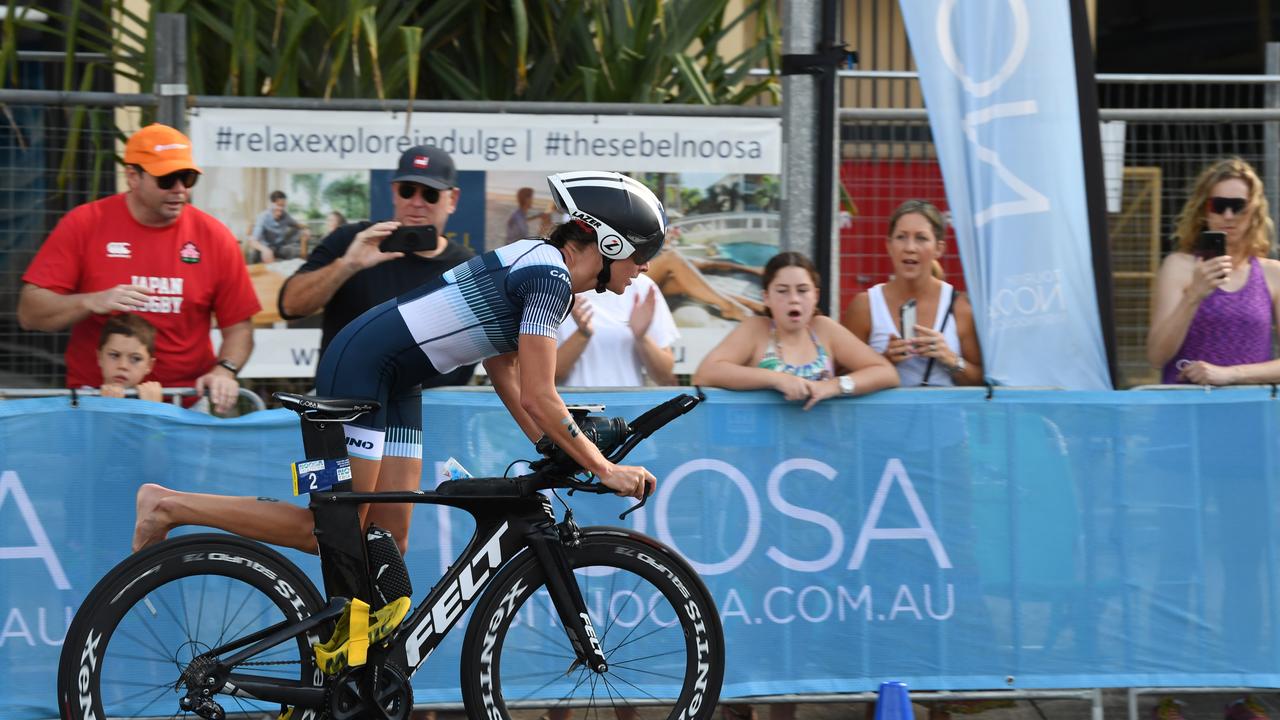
<point>999,81</point>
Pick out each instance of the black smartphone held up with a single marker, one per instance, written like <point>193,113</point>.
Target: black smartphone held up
<point>1211,244</point>
<point>908,317</point>
<point>407,239</point>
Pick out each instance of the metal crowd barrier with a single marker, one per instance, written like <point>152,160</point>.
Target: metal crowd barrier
<point>1134,692</point>
<point>1093,696</point>
<point>1208,388</point>
<point>177,394</point>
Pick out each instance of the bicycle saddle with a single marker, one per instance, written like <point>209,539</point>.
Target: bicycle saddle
<point>322,408</point>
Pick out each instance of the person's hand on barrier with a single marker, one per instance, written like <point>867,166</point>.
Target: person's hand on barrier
<point>582,313</point>
<point>821,390</point>
<point>630,481</point>
<point>1209,275</point>
<point>221,388</point>
<point>642,313</point>
<point>1200,372</point>
<point>150,390</point>
<point>792,387</point>
<point>363,252</point>
<point>121,298</point>
<point>898,350</point>
<point>111,390</point>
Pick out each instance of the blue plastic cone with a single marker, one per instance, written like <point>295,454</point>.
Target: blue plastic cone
<point>893,702</point>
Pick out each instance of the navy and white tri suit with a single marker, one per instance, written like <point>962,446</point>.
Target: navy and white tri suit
<point>475,311</point>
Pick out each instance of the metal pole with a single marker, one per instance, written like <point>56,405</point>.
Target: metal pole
<point>1271,139</point>
<point>800,22</point>
<point>826,248</point>
<point>171,69</point>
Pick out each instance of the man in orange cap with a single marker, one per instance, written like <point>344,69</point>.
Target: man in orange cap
<point>146,251</point>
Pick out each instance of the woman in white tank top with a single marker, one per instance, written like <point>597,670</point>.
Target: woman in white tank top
<point>944,350</point>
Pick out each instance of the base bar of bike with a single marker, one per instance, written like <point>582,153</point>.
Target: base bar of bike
<point>413,496</point>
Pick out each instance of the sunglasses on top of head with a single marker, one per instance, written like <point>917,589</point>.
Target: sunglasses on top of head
<point>1219,205</point>
<point>166,182</point>
<point>429,194</point>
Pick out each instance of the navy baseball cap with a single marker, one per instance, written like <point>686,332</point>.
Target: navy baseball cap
<point>427,165</point>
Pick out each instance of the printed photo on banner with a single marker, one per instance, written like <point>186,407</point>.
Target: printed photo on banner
<point>721,190</point>
<point>279,216</point>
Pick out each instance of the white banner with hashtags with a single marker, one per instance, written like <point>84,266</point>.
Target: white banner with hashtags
<point>226,137</point>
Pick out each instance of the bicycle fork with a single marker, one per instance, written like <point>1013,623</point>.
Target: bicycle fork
<point>548,541</point>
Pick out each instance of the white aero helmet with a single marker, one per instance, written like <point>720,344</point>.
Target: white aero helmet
<point>626,216</point>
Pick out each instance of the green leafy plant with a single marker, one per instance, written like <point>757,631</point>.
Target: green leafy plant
<point>659,51</point>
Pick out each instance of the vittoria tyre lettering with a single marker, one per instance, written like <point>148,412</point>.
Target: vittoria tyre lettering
<point>138,630</point>
<point>654,622</point>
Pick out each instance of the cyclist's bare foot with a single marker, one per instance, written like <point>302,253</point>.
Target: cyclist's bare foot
<point>150,526</point>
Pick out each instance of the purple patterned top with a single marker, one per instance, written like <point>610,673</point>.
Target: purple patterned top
<point>1230,328</point>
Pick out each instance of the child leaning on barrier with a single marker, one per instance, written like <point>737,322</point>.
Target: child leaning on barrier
<point>126,355</point>
<point>794,349</point>
<point>798,352</point>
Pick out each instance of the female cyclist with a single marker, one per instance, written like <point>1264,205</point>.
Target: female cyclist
<point>502,307</point>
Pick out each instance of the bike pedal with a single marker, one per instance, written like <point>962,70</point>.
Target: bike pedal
<point>357,629</point>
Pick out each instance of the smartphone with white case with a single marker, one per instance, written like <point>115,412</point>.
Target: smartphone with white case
<point>908,317</point>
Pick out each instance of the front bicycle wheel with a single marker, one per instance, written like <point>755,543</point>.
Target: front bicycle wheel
<point>655,621</point>
<point>139,629</point>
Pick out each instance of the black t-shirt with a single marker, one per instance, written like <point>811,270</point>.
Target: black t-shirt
<point>378,284</point>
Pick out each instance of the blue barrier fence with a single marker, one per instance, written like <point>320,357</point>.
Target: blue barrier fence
<point>1030,540</point>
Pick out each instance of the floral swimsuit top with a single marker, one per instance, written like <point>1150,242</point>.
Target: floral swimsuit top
<point>820,368</point>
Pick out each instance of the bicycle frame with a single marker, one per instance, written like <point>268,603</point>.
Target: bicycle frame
<point>510,517</point>
<point>505,527</point>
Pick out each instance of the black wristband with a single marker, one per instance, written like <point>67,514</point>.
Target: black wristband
<point>225,363</point>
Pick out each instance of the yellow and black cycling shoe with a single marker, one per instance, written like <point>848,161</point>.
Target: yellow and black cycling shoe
<point>356,630</point>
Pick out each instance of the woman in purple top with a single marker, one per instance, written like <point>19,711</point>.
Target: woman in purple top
<point>1212,317</point>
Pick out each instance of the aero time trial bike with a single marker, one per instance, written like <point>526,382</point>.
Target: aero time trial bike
<point>213,625</point>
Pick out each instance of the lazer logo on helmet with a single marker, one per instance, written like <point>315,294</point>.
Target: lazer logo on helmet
<point>586,218</point>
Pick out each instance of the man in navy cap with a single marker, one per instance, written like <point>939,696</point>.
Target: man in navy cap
<point>362,264</point>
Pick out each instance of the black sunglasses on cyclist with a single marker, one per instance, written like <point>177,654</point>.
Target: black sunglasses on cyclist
<point>1219,205</point>
<point>407,190</point>
<point>166,182</point>
<point>648,251</point>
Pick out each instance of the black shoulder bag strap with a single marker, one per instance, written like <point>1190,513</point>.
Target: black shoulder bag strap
<point>928,369</point>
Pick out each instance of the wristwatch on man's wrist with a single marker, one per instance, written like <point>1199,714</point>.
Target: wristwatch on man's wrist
<point>958,367</point>
<point>846,385</point>
<point>225,363</point>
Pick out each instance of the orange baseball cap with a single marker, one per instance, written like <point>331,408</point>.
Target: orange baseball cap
<point>160,150</point>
